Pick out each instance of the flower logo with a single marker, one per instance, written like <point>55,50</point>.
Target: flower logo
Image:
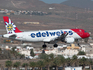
<point>10,27</point>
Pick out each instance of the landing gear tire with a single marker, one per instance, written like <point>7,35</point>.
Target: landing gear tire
<point>78,44</point>
<point>44,46</point>
<point>55,45</point>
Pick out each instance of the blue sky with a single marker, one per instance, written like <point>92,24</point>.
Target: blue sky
<point>53,1</point>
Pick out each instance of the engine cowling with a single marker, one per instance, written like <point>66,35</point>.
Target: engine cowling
<point>69,40</point>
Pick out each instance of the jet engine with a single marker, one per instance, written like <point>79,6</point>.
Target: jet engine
<point>69,40</point>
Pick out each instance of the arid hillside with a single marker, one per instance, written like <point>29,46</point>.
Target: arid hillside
<point>21,4</point>
<point>79,3</point>
<point>61,16</point>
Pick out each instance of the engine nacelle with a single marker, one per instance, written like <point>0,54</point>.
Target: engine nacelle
<point>69,40</point>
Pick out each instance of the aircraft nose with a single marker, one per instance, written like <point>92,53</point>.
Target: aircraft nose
<point>88,34</point>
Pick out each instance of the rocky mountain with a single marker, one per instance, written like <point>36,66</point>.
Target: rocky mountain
<point>21,4</point>
<point>79,3</point>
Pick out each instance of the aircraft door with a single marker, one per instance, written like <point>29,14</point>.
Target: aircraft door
<point>24,38</point>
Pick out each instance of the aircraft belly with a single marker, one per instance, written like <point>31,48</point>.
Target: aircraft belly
<point>34,39</point>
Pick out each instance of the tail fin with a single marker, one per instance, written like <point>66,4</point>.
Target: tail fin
<point>10,27</point>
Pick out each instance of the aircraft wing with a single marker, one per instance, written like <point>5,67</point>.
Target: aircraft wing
<point>61,38</point>
<point>12,36</point>
<point>49,39</point>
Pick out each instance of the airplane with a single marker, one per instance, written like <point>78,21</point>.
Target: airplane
<point>46,36</point>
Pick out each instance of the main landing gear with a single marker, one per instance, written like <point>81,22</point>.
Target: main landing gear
<point>44,45</point>
<point>55,45</point>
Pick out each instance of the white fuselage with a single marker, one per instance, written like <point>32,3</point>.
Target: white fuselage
<point>43,35</point>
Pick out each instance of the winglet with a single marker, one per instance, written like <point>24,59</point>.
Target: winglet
<point>10,27</point>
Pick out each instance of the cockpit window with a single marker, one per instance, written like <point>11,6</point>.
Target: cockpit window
<point>85,31</point>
